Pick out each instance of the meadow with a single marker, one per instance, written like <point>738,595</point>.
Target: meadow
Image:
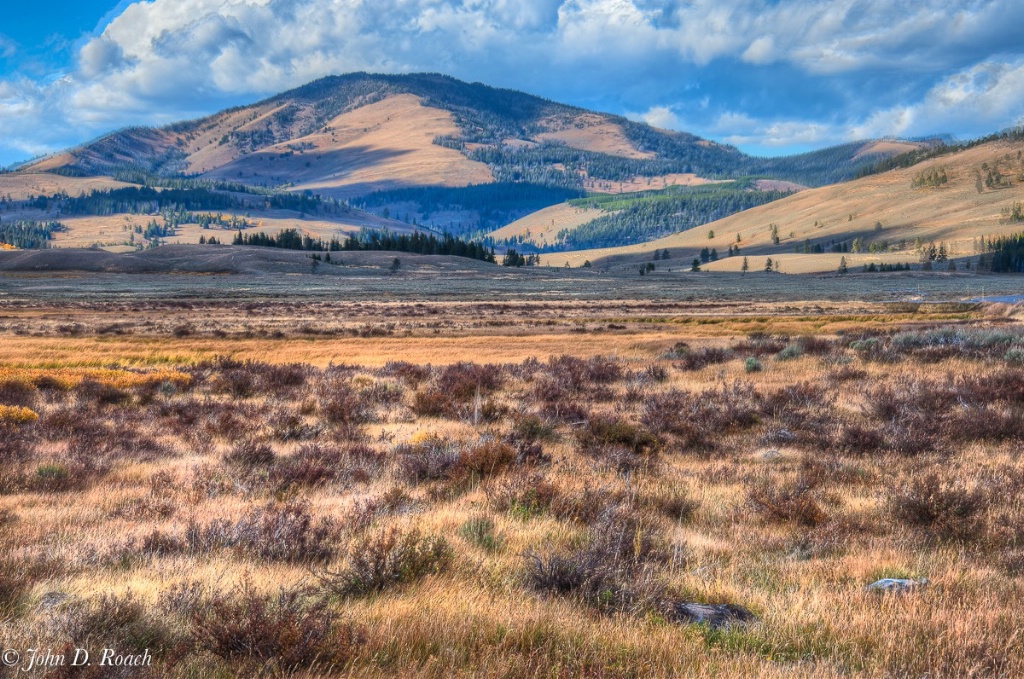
<point>421,487</point>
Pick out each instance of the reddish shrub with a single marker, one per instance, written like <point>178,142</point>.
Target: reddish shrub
<point>272,634</point>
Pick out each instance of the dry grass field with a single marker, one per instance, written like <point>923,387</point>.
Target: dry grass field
<point>628,487</point>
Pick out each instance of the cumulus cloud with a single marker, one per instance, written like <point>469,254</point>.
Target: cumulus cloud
<point>162,60</point>
<point>659,116</point>
<point>987,96</point>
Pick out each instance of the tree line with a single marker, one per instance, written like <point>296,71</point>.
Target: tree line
<point>418,243</point>
<point>29,234</point>
<point>650,214</point>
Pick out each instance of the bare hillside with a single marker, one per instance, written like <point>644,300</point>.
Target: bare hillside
<point>383,145</point>
<point>542,227</point>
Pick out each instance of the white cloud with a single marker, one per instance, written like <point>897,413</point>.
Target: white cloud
<point>761,51</point>
<point>164,59</point>
<point>987,96</point>
<point>660,116</point>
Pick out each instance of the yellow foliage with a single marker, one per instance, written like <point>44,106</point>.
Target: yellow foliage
<point>69,378</point>
<point>17,415</point>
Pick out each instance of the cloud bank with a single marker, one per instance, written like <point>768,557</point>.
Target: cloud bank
<point>763,74</point>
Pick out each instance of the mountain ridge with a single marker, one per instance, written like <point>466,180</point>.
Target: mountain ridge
<point>517,135</point>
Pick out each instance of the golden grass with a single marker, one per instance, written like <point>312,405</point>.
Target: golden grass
<point>480,617</point>
<point>17,415</point>
<point>592,132</point>
<point>70,376</point>
<point>389,143</point>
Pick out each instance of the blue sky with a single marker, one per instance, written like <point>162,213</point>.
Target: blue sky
<point>770,76</point>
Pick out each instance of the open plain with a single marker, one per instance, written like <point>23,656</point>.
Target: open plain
<point>380,473</point>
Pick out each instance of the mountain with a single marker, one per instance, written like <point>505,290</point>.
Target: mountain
<point>425,151</point>
<point>349,135</point>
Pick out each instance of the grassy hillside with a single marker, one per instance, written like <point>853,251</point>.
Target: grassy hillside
<point>889,213</point>
<point>390,143</point>
<point>317,130</point>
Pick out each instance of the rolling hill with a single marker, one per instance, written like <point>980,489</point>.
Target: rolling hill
<point>890,214</point>
<point>426,151</point>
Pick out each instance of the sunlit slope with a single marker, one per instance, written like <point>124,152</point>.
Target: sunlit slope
<point>542,227</point>
<point>885,207</point>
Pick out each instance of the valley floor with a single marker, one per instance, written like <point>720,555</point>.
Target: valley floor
<point>525,474</point>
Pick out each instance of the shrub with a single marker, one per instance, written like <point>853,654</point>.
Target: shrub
<point>17,392</point>
<point>277,532</point>
<point>486,458</point>
<point>532,428</point>
<point>120,622</point>
<point>316,464</point>
<point>410,373</point>
<point>855,439</point>
<point>610,573</point>
<point>696,360</point>
<point>365,512</point>
<point>814,345</point>
<point>432,459</point>
<point>752,365</point>
<point>759,345</point>
<point>698,420</point>
<point>522,496</point>
<point>576,373</point>
<point>606,430</point>
<point>15,444</point>
<point>479,531</point>
<point>389,558</point>
<point>947,509</point>
<point>286,532</point>
<point>282,380</point>
<point>17,415</point>
<point>342,406</point>
<point>288,425</point>
<point>251,453</point>
<point>586,504</point>
<point>786,502</point>
<point>55,477</point>
<point>789,353</point>
<point>102,393</point>
<point>455,388</point>
<point>271,635</point>
<point>674,503</point>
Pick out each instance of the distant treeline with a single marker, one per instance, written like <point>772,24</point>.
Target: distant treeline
<point>641,217</point>
<point>29,235</point>
<point>1007,253</point>
<point>418,243</point>
<point>148,199</point>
